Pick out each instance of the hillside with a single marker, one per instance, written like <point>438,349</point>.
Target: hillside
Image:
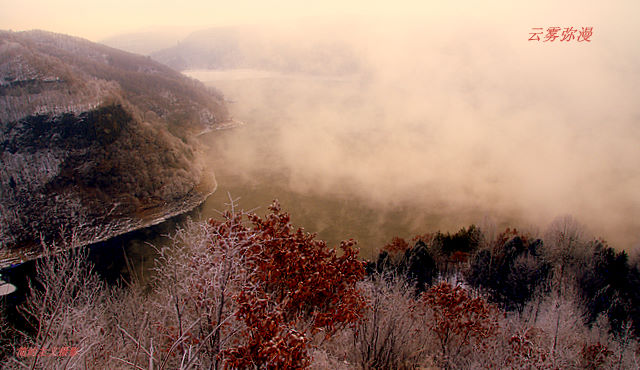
<point>94,140</point>
<point>249,48</point>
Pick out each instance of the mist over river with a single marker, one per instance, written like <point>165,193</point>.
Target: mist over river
<point>297,145</point>
<point>434,129</point>
<point>369,158</point>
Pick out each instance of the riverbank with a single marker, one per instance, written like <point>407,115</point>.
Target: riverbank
<point>227,125</point>
<point>149,217</point>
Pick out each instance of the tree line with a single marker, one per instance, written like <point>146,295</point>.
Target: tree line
<point>245,291</point>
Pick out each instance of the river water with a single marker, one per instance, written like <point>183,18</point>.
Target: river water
<point>316,144</point>
<point>285,149</point>
<point>328,149</point>
<point>351,157</point>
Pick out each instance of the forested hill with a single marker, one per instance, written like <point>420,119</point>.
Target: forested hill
<point>59,73</point>
<point>94,140</point>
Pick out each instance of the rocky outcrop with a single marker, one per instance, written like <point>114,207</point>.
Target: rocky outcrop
<point>94,141</point>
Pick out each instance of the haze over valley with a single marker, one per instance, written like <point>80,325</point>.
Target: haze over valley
<point>330,185</point>
<point>441,130</point>
<point>404,129</point>
<point>449,110</point>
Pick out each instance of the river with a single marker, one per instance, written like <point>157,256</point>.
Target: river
<point>336,156</point>
<point>310,142</point>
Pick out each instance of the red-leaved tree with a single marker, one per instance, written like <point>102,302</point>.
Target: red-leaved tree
<point>459,319</point>
<point>296,286</point>
<point>397,246</point>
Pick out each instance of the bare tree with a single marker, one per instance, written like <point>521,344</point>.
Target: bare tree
<point>63,309</point>
<point>188,316</point>
<point>388,336</point>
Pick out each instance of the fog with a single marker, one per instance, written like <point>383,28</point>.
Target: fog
<point>452,116</point>
<point>461,123</point>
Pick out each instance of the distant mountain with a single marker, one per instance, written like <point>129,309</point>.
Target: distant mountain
<point>146,42</point>
<point>255,48</point>
<point>94,140</point>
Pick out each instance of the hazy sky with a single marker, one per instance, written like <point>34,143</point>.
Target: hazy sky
<point>97,20</point>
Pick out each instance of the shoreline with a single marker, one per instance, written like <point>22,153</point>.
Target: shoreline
<point>116,228</point>
<point>226,125</point>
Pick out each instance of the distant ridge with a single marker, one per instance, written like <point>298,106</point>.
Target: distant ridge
<point>257,48</point>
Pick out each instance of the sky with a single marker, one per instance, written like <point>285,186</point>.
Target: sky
<point>98,20</point>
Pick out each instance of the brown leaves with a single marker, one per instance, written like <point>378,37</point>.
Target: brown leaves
<point>595,355</point>
<point>397,246</point>
<point>294,279</point>
<point>459,318</point>
<point>526,348</point>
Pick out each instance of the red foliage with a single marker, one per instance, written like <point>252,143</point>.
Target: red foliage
<point>459,257</point>
<point>294,278</point>
<point>526,351</point>
<point>594,356</point>
<point>397,245</point>
<point>425,238</point>
<point>269,341</point>
<point>458,318</point>
<point>509,234</point>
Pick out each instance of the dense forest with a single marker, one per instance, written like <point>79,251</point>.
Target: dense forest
<point>245,291</point>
